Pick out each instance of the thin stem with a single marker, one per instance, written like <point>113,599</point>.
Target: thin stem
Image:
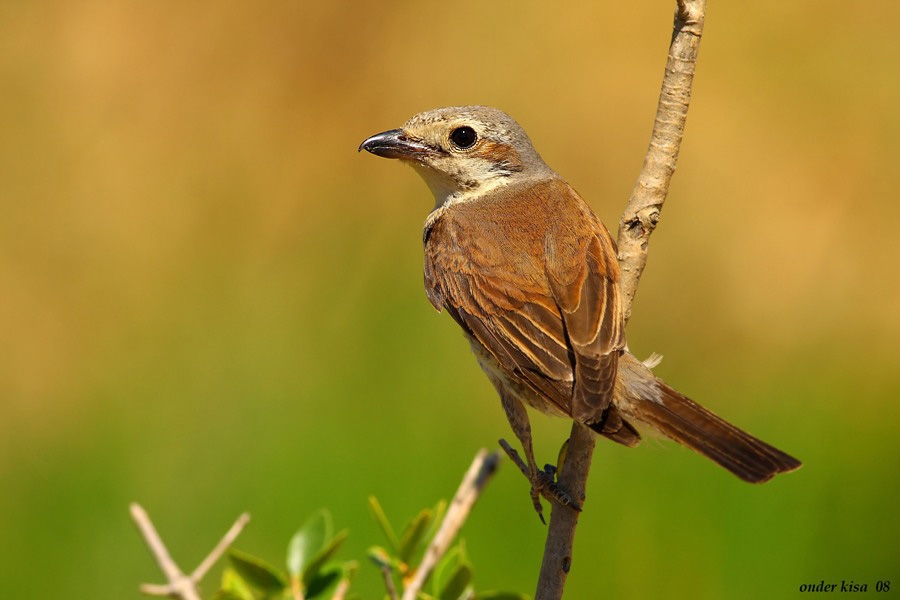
<point>641,214</point>
<point>479,474</point>
<point>388,581</point>
<point>639,220</point>
<point>220,548</point>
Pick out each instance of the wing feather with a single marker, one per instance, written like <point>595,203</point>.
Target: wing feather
<point>591,309</point>
<point>541,297</point>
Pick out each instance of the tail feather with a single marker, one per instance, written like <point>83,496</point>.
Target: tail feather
<point>679,418</point>
<point>643,398</point>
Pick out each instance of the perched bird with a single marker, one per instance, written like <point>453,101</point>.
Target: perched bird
<point>530,274</point>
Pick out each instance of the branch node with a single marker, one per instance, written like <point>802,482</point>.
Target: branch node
<point>179,585</point>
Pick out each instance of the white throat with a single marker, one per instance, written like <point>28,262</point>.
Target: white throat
<point>447,190</point>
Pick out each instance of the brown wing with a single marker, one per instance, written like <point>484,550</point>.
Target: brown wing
<point>527,338</point>
<point>539,294</point>
<point>590,303</point>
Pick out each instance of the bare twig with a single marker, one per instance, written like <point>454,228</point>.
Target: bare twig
<point>220,548</point>
<point>179,585</point>
<point>639,219</point>
<point>157,548</point>
<point>478,475</point>
<point>641,214</point>
<point>388,581</point>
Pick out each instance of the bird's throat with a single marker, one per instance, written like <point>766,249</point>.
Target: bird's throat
<point>448,191</point>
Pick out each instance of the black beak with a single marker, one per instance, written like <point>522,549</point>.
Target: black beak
<point>395,144</point>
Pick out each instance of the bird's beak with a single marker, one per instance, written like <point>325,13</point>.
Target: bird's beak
<point>396,144</point>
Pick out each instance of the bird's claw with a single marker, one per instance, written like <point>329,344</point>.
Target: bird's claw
<point>543,483</point>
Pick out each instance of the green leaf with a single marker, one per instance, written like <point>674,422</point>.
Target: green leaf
<point>323,582</point>
<point>458,583</point>
<point>444,568</point>
<point>350,569</point>
<point>308,541</point>
<point>561,457</point>
<point>324,555</point>
<point>463,555</point>
<point>233,587</point>
<point>257,572</point>
<point>380,557</point>
<point>226,595</point>
<point>439,510</point>
<point>501,596</point>
<point>413,534</point>
<point>383,522</point>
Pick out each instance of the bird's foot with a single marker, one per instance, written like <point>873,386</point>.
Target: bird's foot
<point>543,484</point>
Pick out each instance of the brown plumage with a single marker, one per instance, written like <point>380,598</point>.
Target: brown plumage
<point>541,296</point>
<point>528,271</point>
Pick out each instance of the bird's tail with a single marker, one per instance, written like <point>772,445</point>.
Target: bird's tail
<point>643,398</point>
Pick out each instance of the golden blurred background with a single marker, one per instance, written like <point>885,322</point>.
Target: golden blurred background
<point>210,303</point>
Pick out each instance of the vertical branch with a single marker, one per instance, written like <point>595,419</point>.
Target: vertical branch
<point>639,219</point>
<point>641,214</point>
<point>563,521</point>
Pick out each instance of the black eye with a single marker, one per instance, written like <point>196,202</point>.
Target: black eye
<point>463,137</point>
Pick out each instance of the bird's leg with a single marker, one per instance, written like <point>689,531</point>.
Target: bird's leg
<point>543,481</point>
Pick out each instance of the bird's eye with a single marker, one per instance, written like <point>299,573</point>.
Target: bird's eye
<point>463,137</point>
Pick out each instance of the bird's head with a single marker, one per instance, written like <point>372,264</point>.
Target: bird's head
<point>462,151</point>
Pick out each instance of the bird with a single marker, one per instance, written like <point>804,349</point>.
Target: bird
<point>529,272</point>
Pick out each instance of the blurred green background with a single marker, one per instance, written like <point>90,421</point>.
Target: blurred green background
<point>210,303</point>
